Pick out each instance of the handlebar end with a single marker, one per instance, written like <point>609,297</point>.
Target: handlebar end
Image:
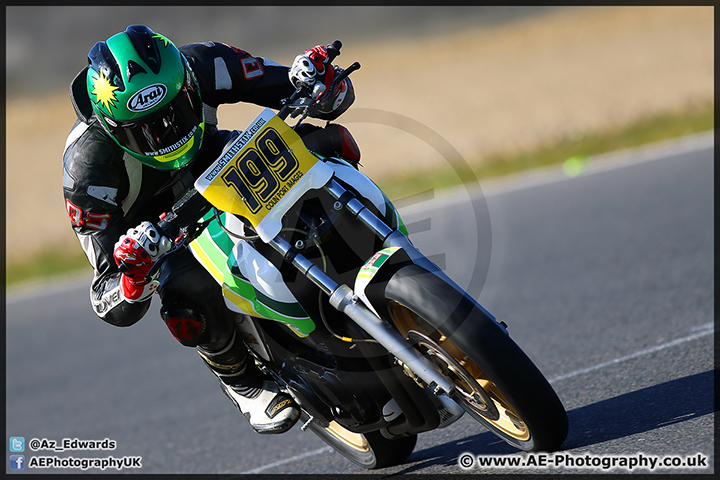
<point>334,49</point>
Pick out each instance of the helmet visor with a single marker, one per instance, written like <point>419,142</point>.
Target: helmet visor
<point>165,131</point>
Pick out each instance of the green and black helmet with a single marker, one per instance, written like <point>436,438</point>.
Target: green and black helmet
<point>147,97</point>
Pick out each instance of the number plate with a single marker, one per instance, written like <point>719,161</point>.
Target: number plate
<point>257,171</point>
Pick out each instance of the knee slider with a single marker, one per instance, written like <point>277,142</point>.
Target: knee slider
<point>185,324</point>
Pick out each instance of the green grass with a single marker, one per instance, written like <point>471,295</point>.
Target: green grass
<point>58,261</point>
<point>651,130</point>
<point>47,263</point>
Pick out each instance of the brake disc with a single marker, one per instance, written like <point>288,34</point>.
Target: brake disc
<point>468,389</point>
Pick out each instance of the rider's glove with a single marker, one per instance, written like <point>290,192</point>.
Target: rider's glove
<point>138,250</point>
<point>312,66</point>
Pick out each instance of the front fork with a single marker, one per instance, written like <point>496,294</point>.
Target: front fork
<point>343,298</point>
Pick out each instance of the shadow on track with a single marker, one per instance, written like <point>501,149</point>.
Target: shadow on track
<point>642,410</point>
<point>627,414</point>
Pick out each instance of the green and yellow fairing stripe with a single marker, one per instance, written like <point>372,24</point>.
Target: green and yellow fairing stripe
<point>213,248</point>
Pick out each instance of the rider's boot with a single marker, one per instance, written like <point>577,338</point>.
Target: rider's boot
<point>259,399</point>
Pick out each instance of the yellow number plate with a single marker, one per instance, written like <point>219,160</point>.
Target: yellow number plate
<point>257,169</point>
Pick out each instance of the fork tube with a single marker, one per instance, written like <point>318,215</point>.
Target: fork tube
<point>343,299</point>
<point>306,267</point>
<point>359,210</point>
<point>390,237</point>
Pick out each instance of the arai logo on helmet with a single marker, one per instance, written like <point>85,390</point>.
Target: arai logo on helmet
<point>147,98</point>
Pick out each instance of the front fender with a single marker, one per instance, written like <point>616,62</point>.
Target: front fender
<point>374,272</point>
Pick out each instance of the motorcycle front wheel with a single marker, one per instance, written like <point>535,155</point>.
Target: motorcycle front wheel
<point>496,383</point>
<point>368,450</point>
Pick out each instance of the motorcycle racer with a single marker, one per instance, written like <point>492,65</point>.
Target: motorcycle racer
<point>146,127</point>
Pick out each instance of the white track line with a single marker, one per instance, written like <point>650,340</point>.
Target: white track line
<point>288,460</point>
<point>605,162</point>
<point>702,331</point>
<point>554,173</point>
<point>455,195</point>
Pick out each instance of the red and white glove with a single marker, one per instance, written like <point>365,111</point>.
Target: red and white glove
<point>138,250</point>
<point>312,66</point>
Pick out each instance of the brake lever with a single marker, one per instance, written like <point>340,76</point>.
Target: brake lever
<point>329,92</point>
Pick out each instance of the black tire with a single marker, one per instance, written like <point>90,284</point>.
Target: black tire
<point>369,450</point>
<point>530,415</point>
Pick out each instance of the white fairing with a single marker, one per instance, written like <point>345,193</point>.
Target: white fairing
<point>262,274</point>
<point>257,269</point>
<point>362,184</point>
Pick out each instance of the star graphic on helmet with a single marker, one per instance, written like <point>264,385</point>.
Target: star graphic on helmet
<point>162,38</point>
<point>104,92</point>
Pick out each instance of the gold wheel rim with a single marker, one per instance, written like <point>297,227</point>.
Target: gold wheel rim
<point>355,440</point>
<point>509,421</point>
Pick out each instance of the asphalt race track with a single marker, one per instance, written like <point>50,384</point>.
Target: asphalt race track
<point>604,278</point>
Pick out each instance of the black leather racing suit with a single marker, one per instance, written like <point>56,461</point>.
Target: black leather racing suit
<point>107,191</point>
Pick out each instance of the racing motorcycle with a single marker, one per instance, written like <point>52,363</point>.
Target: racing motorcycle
<point>372,339</point>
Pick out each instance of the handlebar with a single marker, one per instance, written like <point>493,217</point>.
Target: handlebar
<point>293,105</point>
<point>176,224</point>
<point>333,50</point>
<point>188,210</point>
